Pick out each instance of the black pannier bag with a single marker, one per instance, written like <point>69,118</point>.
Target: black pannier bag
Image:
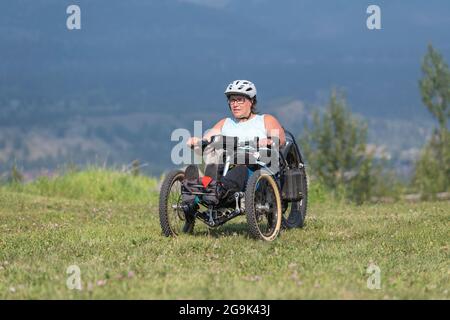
<point>292,187</point>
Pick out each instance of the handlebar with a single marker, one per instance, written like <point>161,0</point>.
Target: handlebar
<point>221,142</point>
<point>203,144</point>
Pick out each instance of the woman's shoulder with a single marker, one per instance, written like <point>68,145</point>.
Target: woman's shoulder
<point>268,117</point>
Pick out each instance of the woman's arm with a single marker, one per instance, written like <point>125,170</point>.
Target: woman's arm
<point>216,130</point>
<point>274,129</point>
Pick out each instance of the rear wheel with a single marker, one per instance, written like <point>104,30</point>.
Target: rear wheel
<point>263,206</point>
<point>172,218</point>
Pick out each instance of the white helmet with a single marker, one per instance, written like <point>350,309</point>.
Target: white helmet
<point>244,87</point>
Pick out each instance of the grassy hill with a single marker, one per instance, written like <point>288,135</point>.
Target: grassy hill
<point>107,224</point>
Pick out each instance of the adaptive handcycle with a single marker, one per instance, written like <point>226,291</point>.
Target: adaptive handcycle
<point>274,197</point>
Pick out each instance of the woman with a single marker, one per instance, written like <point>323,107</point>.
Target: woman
<point>245,124</point>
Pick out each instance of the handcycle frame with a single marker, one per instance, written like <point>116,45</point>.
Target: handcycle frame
<point>271,205</point>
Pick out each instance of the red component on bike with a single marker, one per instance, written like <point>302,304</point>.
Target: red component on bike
<point>206,181</point>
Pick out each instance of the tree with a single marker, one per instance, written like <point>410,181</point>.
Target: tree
<point>335,148</point>
<point>435,86</point>
<point>432,172</point>
<point>135,165</point>
<point>15,176</point>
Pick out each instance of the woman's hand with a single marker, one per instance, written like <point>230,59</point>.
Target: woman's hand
<point>265,142</point>
<point>193,142</point>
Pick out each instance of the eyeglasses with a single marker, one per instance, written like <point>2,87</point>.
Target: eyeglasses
<point>239,100</point>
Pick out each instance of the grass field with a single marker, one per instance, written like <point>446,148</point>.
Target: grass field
<point>118,246</point>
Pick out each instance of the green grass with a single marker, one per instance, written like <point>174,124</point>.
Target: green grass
<point>116,241</point>
<point>92,184</point>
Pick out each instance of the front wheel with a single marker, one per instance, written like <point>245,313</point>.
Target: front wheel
<point>263,206</point>
<point>172,218</point>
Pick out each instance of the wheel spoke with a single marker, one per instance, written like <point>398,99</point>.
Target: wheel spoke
<point>175,213</point>
<point>266,207</point>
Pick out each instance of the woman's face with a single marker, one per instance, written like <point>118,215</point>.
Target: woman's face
<point>240,106</point>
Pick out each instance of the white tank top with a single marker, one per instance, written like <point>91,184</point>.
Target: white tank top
<point>246,130</point>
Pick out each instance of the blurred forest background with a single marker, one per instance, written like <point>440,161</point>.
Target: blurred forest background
<point>112,92</point>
